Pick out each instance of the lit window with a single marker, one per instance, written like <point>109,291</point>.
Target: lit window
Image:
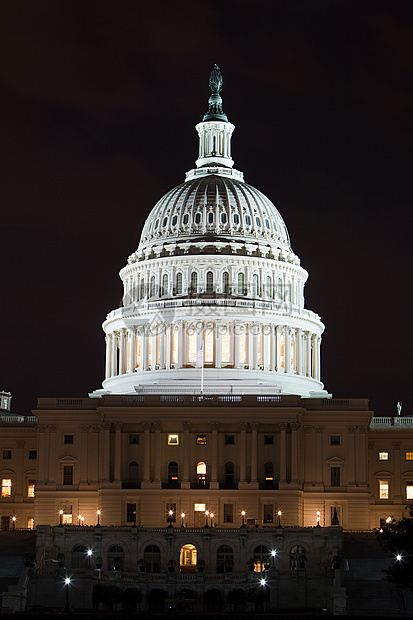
<point>68,439</point>
<point>30,488</point>
<point>173,440</point>
<point>409,490</point>
<point>409,456</point>
<point>30,523</point>
<point>384,489</point>
<point>292,354</point>
<point>335,440</point>
<point>6,487</point>
<point>225,348</point>
<point>67,519</point>
<point>192,338</point>
<point>383,456</point>
<point>201,471</point>
<point>201,440</point>
<point>199,507</point>
<point>209,346</point>
<point>243,348</point>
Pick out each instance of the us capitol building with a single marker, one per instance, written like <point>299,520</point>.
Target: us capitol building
<point>212,441</point>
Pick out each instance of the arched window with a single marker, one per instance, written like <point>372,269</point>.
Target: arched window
<point>201,471</point>
<point>210,282</point>
<point>255,288</point>
<point>152,291</point>
<point>194,283</point>
<point>164,284</point>
<point>240,284</point>
<point>179,283</point>
<point>152,557</point>
<point>225,282</point>
<point>261,559</point>
<point>268,292</point>
<point>115,557</point>
<point>225,559</point>
<point>229,475</point>
<point>142,291</point>
<point>298,558</point>
<point>133,473</point>
<point>269,474</point>
<point>173,474</point>
<point>79,556</point>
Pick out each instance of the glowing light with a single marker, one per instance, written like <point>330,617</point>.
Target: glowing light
<point>273,553</point>
<point>398,557</point>
<point>388,520</point>
<point>262,582</point>
<point>67,581</point>
<point>182,515</point>
<point>89,552</point>
<point>279,513</point>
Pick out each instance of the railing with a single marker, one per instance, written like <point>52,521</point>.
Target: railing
<point>389,422</point>
<point>17,419</point>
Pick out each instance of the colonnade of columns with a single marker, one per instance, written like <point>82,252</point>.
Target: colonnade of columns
<point>253,345</point>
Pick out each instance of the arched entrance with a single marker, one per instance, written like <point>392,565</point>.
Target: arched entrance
<point>188,559</point>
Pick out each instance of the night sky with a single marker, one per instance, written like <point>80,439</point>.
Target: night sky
<point>98,103</point>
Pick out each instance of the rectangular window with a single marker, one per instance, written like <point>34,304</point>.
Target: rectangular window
<point>199,507</point>
<point>409,456</point>
<point>228,513</point>
<point>229,440</point>
<point>192,338</point>
<point>67,518</point>
<point>243,348</point>
<point>175,347</point>
<point>209,347</point>
<point>68,439</point>
<point>268,513</point>
<point>6,487</point>
<point>32,454</point>
<point>383,456</point>
<point>335,476</point>
<point>383,489</point>
<point>30,523</point>
<point>131,513</point>
<point>30,488</point>
<point>134,439</point>
<point>225,348</point>
<point>201,440</point>
<point>335,515</point>
<point>5,523</point>
<point>335,440</point>
<point>6,454</point>
<point>68,474</point>
<point>171,508</point>
<point>409,490</point>
<point>173,440</point>
<point>268,440</point>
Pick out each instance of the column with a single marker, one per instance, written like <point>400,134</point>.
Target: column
<point>84,451</point>
<point>308,364</point>
<point>181,343</point>
<point>243,455</point>
<point>114,353</point>
<point>52,454</point>
<point>122,352</point>
<point>169,328</point>
<point>118,452</point>
<point>237,327</point>
<point>218,351</point>
<point>319,455</point>
<point>157,461</point>
<point>42,454</point>
<point>106,451</point>
<point>299,352</point>
<point>254,455</point>
<point>185,484</point>
<point>317,357</point>
<point>273,348</point>
<point>255,332</point>
<point>308,474</point>
<point>21,489</point>
<point>287,349</point>
<point>144,348</point>
<point>278,347</point>
<point>294,453</point>
<point>250,356</point>
<point>283,454</point>
<point>264,344</point>
<point>153,334</point>
<point>361,461</point>
<point>132,332</point>
<point>351,430</point>
<point>162,347</point>
<point>146,453</point>
<point>108,348</point>
<point>214,484</point>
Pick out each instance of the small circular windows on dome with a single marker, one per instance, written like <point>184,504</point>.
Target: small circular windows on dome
<point>236,218</point>
<point>174,220</point>
<point>186,218</point>
<point>258,221</point>
<point>210,218</point>
<point>198,217</point>
<point>223,218</point>
<point>247,220</point>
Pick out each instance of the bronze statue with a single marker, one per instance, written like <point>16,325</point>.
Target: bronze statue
<point>215,80</point>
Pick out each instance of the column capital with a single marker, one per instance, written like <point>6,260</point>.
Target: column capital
<point>254,426</point>
<point>157,426</point>
<point>295,426</point>
<point>215,426</point>
<point>106,426</point>
<point>95,428</point>
<point>243,426</point>
<point>351,428</point>
<point>283,426</point>
<point>362,429</point>
<point>396,445</point>
<point>118,426</point>
<point>53,428</point>
<point>186,426</point>
<point>146,426</point>
<point>308,429</point>
<point>20,444</point>
<point>319,429</point>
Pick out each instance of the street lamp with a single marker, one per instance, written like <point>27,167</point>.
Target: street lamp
<point>82,520</point>
<point>66,608</point>
<point>61,517</point>
<point>79,519</point>
<point>89,555</point>
<point>318,519</point>
<point>206,518</point>
<point>13,522</point>
<point>279,513</point>
<point>243,513</point>
<point>98,512</point>
<point>171,514</point>
<point>262,581</point>
<point>212,519</point>
<point>182,519</point>
<point>273,554</point>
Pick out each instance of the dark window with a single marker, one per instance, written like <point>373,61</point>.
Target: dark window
<point>269,473</point>
<point>229,440</point>
<point>32,454</point>
<point>179,283</point>
<point>210,218</point>
<point>229,474</point>
<point>186,218</point>
<point>174,220</point>
<point>68,439</point>
<point>225,282</point>
<point>268,513</point>
<point>5,523</point>
<point>225,559</point>
<point>173,473</point>
<point>248,220</point>
<point>335,440</point>
<point>152,557</point>
<point>236,218</point>
<point>133,473</point>
<point>201,440</point>
<point>298,557</point>
<point>79,556</point>
<point>198,218</point>
<point>7,454</point>
<point>223,218</point>
<point>131,513</point>
<point>194,282</point>
<point>335,515</point>
<point>335,476</point>
<point>228,513</point>
<point>68,474</point>
<point>269,440</point>
<point>134,439</point>
<point>210,282</point>
<point>115,557</point>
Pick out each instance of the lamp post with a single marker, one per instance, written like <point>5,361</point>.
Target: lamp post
<point>89,555</point>
<point>279,513</point>
<point>243,513</point>
<point>273,554</point>
<point>318,519</point>
<point>212,519</point>
<point>13,519</point>
<point>61,517</point>
<point>79,517</point>
<point>206,518</point>
<point>171,514</point>
<point>388,521</point>
<point>66,608</point>
<point>83,521</point>
<point>98,512</point>
<point>182,519</point>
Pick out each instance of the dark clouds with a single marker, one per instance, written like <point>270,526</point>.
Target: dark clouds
<point>98,102</point>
